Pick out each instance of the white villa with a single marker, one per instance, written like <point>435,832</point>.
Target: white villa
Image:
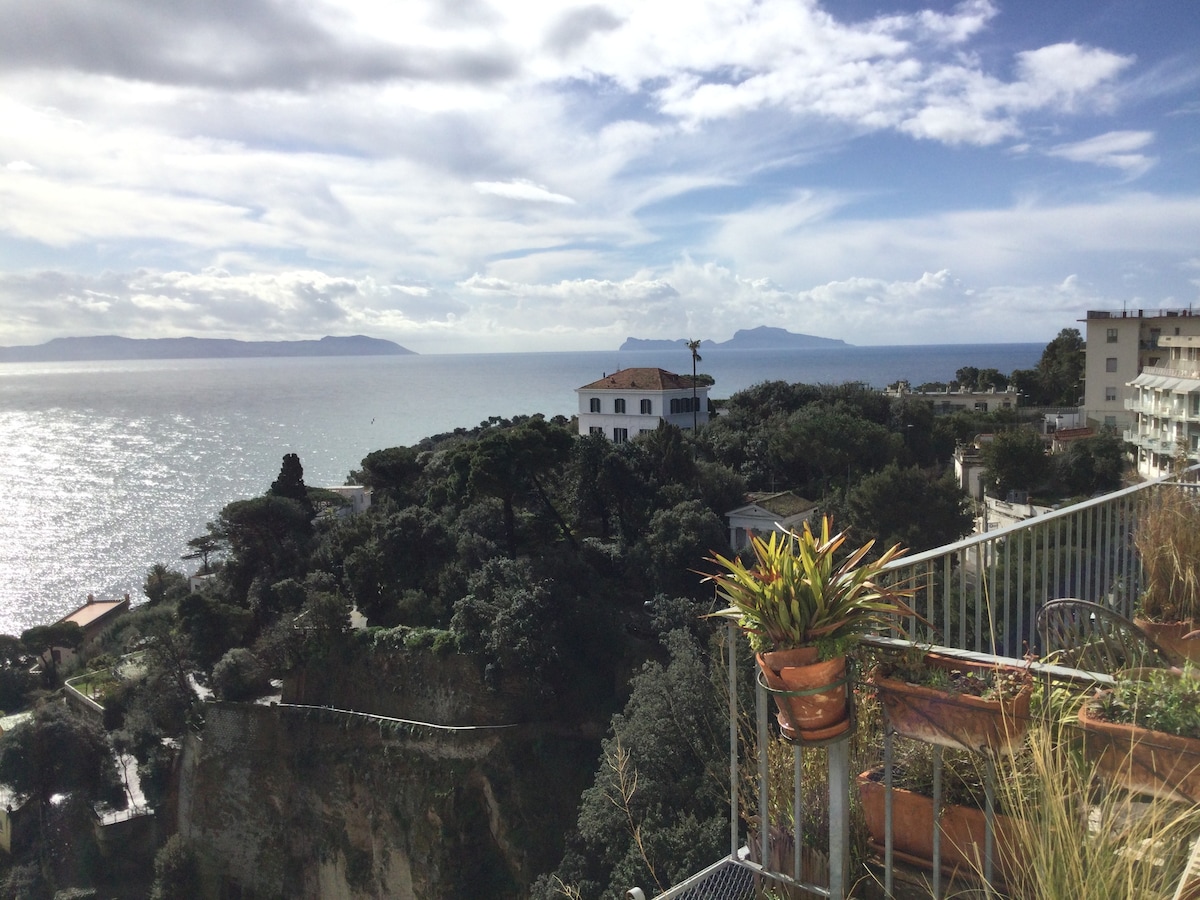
<point>764,513</point>
<point>1165,405</point>
<point>633,401</point>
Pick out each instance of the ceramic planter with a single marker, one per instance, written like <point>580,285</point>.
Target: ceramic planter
<point>1141,760</point>
<point>1169,636</point>
<point>963,830</point>
<point>812,696</point>
<point>952,719</point>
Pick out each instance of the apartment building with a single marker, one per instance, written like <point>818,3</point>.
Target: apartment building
<point>1120,345</point>
<point>1165,406</point>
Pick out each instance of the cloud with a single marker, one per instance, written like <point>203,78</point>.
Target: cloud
<point>521,190</point>
<point>1118,149</point>
<point>243,45</point>
<point>576,26</point>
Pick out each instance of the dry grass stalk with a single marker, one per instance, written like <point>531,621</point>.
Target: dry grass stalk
<point>1082,841</point>
<point>1167,538</point>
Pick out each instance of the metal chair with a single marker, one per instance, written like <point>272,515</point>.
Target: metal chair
<point>1091,637</point>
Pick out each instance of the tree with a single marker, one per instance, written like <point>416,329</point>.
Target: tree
<point>205,546</point>
<point>392,473</point>
<point>290,483</point>
<point>1058,378</point>
<point>1015,460</point>
<point>508,462</point>
<point>42,640</point>
<point>174,870</point>
<point>163,583</point>
<point>658,808</point>
<point>1089,466</point>
<point>268,537</point>
<point>512,620</point>
<point>60,752</point>
<point>674,543</point>
<point>907,506</point>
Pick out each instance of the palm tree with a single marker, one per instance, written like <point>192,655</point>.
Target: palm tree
<point>694,346</point>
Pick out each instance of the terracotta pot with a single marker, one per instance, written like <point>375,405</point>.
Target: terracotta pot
<point>813,697</point>
<point>1169,636</point>
<point>952,719</point>
<point>963,831</point>
<point>1141,760</point>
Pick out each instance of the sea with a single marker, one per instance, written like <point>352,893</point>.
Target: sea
<point>107,468</point>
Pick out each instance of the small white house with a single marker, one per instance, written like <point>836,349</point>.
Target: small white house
<point>357,496</point>
<point>781,511</point>
<point>633,401</point>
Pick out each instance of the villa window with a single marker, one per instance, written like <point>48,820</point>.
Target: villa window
<point>594,405</point>
<point>619,406</point>
<point>1110,393</point>
<point>620,435</point>
<point>1110,364</point>
<point>1112,335</point>
<point>645,407</point>
<point>596,429</point>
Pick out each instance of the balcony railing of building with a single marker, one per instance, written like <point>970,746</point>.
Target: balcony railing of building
<point>983,594</point>
<point>1138,313</point>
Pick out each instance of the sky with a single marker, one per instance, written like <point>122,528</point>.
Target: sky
<point>478,176</point>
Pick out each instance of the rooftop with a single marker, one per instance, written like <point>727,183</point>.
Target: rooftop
<point>95,610</point>
<point>782,503</point>
<point>642,380</point>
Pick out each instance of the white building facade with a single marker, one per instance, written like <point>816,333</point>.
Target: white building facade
<point>1165,405</point>
<point>1120,345</point>
<point>633,401</point>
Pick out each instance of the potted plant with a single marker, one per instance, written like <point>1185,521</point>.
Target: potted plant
<point>1167,538</point>
<point>954,702</point>
<point>1144,732</point>
<point>802,609</point>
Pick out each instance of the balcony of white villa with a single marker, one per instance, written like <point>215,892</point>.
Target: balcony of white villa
<point>985,595</point>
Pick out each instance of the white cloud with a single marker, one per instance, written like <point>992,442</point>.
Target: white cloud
<point>521,190</point>
<point>1118,149</point>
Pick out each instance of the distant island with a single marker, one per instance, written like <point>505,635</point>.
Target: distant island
<point>111,347</point>
<point>761,338</point>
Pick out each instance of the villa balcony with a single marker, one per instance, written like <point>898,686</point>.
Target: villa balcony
<point>983,594</point>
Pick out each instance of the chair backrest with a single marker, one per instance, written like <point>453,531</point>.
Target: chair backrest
<point>1088,636</point>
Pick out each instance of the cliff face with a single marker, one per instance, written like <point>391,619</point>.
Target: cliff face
<point>282,801</point>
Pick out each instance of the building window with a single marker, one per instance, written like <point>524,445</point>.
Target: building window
<point>1110,421</point>
<point>1110,393</point>
<point>645,407</point>
<point>619,406</point>
<point>594,405</point>
<point>1112,335</point>
<point>595,429</point>
<point>645,431</point>
<point>1110,364</point>
<point>684,404</point>
<point>620,435</point>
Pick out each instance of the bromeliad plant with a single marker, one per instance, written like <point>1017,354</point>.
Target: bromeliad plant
<point>802,609</point>
<point>797,594</point>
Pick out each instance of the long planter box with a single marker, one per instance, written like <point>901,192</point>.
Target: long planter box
<point>963,831</point>
<point>956,720</point>
<point>1149,762</point>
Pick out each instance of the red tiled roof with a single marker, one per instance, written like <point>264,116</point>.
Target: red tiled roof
<point>642,380</point>
<point>92,612</point>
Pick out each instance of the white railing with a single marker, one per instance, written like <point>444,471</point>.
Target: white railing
<point>982,594</point>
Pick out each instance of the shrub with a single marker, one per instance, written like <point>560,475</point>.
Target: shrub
<point>239,675</point>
